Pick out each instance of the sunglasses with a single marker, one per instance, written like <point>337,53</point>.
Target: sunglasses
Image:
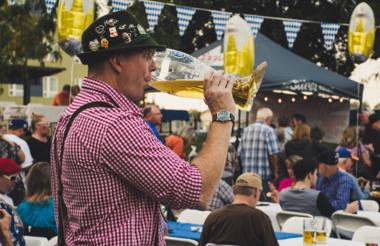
<point>12,178</point>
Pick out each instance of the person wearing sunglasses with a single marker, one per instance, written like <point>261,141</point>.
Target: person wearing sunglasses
<point>9,173</point>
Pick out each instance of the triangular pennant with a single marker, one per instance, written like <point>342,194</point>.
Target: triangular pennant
<point>153,10</point>
<point>292,28</point>
<point>50,5</point>
<point>184,14</point>
<point>254,22</point>
<point>220,20</point>
<point>118,5</point>
<point>329,31</point>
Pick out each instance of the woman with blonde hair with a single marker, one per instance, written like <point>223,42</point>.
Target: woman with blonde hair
<point>301,143</point>
<point>37,211</point>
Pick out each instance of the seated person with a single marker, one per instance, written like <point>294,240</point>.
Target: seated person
<point>335,184</point>
<point>345,164</point>
<point>302,198</point>
<point>37,211</point>
<point>289,162</point>
<point>223,195</point>
<point>240,223</point>
<point>9,174</point>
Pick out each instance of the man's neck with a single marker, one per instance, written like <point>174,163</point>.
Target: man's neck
<point>302,184</point>
<point>40,137</point>
<point>342,167</point>
<point>332,172</point>
<point>241,200</point>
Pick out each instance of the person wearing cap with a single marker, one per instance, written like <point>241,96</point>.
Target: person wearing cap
<point>345,163</point>
<point>335,184</point>
<point>17,130</point>
<point>240,223</point>
<point>301,197</point>
<point>9,171</point>
<point>115,172</point>
<point>373,143</point>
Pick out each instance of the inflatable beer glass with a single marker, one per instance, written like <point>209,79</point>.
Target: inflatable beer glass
<point>182,75</point>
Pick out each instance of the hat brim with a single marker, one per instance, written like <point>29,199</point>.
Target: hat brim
<point>90,57</point>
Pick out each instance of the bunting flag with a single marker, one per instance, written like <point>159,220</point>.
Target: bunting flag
<point>118,5</point>
<point>184,14</point>
<point>292,28</point>
<point>254,22</point>
<point>153,10</point>
<point>50,5</point>
<point>220,20</point>
<point>329,31</point>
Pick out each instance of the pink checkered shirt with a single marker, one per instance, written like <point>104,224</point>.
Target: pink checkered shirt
<point>115,173</point>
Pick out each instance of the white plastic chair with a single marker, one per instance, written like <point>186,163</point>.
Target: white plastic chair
<point>35,241</point>
<point>53,241</point>
<point>193,216</point>
<point>346,224</point>
<point>295,225</point>
<point>283,216</point>
<point>175,241</point>
<point>367,234</point>
<point>370,205</point>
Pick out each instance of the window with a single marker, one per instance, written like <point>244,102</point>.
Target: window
<point>16,90</point>
<point>49,86</point>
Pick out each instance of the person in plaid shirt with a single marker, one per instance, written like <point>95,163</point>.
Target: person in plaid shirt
<point>222,196</point>
<point>259,147</point>
<point>115,173</point>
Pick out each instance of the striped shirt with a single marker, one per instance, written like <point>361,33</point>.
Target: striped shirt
<point>115,173</point>
<point>257,143</point>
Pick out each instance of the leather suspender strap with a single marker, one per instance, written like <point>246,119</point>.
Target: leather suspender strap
<point>62,213</point>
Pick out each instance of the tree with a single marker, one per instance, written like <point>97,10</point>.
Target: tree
<point>27,32</point>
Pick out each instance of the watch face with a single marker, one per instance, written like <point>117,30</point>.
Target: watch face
<point>223,116</point>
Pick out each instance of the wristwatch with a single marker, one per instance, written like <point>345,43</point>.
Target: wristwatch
<point>223,116</point>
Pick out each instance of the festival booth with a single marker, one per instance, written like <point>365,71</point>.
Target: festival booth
<point>293,84</point>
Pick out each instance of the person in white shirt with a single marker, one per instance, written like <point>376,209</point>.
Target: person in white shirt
<point>17,128</point>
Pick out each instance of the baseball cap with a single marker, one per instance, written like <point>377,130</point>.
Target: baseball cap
<point>346,153</point>
<point>251,180</point>
<point>328,157</point>
<point>8,166</point>
<point>17,124</point>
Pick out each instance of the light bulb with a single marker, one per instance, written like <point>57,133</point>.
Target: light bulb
<point>330,100</point>
<point>293,99</point>
<point>305,97</point>
<point>265,98</point>
<point>279,100</point>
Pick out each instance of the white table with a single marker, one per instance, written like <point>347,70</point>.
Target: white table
<point>374,216</point>
<point>271,210</point>
<point>330,242</point>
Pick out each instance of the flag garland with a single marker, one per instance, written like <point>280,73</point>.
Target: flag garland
<point>184,14</point>
<point>292,28</point>
<point>119,5</point>
<point>329,30</point>
<point>153,10</point>
<point>254,22</point>
<point>220,20</point>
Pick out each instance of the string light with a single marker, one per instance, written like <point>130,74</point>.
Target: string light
<point>341,100</point>
<point>293,99</point>
<point>305,97</point>
<point>330,100</point>
<point>266,99</point>
<point>279,100</point>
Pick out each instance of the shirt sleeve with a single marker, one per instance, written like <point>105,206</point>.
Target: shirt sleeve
<point>270,237</point>
<point>324,205</point>
<point>343,193</point>
<point>131,151</point>
<point>272,143</point>
<point>227,194</point>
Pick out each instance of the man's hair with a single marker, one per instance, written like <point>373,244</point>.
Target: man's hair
<point>66,88</point>
<point>264,113</point>
<point>303,167</point>
<point>36,118</point>
<point>244,191</point>
<point>299,117</point>
<point>147,110</point>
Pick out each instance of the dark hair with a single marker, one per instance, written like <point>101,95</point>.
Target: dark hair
<point>147,110</point>
<point>244,190</point>
<point>66,88</point>
<point>317,133</point>
<point>38,182</point>
<point>303,167</point>
<point>299,117</point>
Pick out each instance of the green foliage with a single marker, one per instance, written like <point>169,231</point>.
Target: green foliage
<point>27,32</point>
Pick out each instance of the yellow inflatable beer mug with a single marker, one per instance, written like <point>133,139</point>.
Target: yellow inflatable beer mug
<point>181,74</point>
<point>361,34</point>
<point>74,16</point>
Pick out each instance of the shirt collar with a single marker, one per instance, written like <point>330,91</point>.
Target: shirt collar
<point>100,87</point>
<point>260,122</point>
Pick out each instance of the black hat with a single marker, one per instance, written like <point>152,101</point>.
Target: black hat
<point>373,118</point>
<point>111,33</point>
<point>328,157</point>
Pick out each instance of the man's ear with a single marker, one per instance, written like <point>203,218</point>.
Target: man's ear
<point>115,62</point>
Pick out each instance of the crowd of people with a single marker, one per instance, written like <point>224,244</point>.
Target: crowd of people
<point>103,175</point>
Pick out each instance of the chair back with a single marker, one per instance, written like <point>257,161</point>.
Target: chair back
<point>370,205</point>
<point>346,224</point>
<point>295,225</point>
<point>53,241</point>
<point>175,241</point>
<point>367,234</point>
<point>193,216</point>
<point>283,216</point>
<point>35,241</point>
